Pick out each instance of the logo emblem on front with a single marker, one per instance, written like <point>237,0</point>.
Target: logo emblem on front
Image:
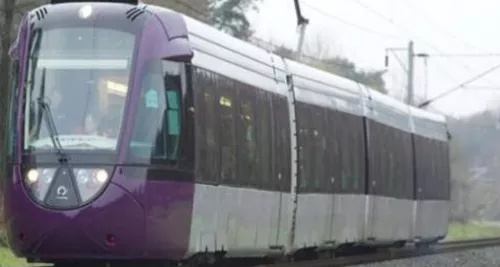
<point>62,192</point>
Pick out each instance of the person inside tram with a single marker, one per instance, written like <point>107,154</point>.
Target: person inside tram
<point>65,113</point>
<point>110,123</point>
<point>64,122</point>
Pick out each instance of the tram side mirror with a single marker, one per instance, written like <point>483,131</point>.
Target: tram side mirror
<point>178,50</point>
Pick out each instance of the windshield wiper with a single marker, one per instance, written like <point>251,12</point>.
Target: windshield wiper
<point>51,126</point>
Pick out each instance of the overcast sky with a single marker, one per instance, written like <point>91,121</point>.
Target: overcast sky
<point>361,30</point>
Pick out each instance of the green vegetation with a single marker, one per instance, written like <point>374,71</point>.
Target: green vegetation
<point>339,66</point>
<point>472,230</point>
<point>7,259</point>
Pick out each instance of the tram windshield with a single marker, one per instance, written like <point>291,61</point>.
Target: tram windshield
<point>82,75</point>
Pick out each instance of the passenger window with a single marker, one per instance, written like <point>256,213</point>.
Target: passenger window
<point>304,144</point>
<point>174,124</point>
<point>265,138</point>
<point>158,119</point>
<point>226,111</point>
<point>247,142</point>
<point>282,172</point>
<point>319,149</point>
<point>205,87</point>
<point>344,153</point>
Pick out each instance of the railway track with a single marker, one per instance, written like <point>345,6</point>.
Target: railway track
<point>379,255</point>
<point>394,254</point>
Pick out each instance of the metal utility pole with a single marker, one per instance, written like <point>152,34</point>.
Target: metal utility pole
<point>411,55</point>
<point>426,85</point>
<point>425,56</point>
<point>301,24</point>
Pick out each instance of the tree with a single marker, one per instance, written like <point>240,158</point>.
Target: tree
<point>229,16</point>
<point>339,66</point>
<point>344,67</point>
<point>197,9</point>
<point>226,15</point>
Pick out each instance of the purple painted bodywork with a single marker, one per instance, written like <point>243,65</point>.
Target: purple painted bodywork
<point>150,219</point>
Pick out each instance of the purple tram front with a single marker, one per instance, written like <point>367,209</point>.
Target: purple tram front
<point>101,134</point>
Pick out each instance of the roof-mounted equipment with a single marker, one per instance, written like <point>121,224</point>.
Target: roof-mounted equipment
<point>132,2</point>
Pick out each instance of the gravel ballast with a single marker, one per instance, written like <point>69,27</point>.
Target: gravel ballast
<point>468,258</point>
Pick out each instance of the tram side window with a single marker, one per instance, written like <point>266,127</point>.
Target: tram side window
<point>442,176</point>
<point>157,124</point>
<point>247,152</point>
<point>354,157</point>
<point>393,144</point>
<point>281,155</point>
<point>334,161</point>
<point>205,89</point>
<point>378,158</point>
<point>344,153</point>
<point>227,124</point>
<point>265,135</point>
<point>357,156</point>
<point>408,167</point>
<point>426,171</point>
<point>435,167</point>
<point>447,170</point>
<point>173,119</point>
<point>304,142</point>
<point>319,149</point>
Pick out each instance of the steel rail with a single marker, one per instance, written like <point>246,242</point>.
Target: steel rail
<point>395,254</point>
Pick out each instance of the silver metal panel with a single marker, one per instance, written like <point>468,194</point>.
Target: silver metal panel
<point>325,89</point>
<point>243,221</point>
<point>428,124</point>
<point>314,216</point>
<point>236,72</point>
<point>432,219</point>
<point>424,114</point>
<point>390,219</point>
<point>284,218</point>
<point>348,218</point>
<point>389,111</point>
<point>231,57</point>
<point>212,41</point>
<point>351,104</point>
<point>321,81</point>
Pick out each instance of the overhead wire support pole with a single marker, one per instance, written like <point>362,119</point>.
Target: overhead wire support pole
<point>461,85</point>
<point>301,24</point>
<point>411,55</point>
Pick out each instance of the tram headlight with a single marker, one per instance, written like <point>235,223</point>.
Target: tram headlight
<point>38,181</point>
<point>32,176</point>
<point>90,181</point>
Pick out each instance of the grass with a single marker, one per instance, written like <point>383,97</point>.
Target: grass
<point>7,259</point>
<point>473,230</point>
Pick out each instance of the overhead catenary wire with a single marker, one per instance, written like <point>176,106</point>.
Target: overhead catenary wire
<point>419,38</point>
<point>346,22</point>
<point>466,55</point>
<point>190,7</point>
<point>437,25</point>
<point>460,86</point>
<point>254,40</point>
<point>400,62</point>
<point>402,29</point>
